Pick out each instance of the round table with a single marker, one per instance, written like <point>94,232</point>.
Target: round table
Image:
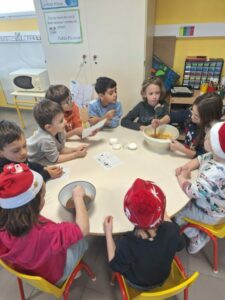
<point>112,184</point>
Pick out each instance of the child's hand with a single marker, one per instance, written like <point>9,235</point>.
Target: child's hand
<point>155,123</point>
<point>108,224</point>
<point>81,151</point>
<point>110,114</point>
<point>93,120</point>
<point>78,192</point>
<point>54,171</point>
<point>176,146</point>
<point>183,172</point>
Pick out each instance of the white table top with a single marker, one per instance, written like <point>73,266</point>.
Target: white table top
<point>112,185</point>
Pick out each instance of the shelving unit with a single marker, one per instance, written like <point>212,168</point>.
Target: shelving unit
<point>196,72</point>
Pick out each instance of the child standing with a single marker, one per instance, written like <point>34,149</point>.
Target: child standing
<point>206,110</point>
<point>47,144</point>
<point>30,242</point>
<point>153,110</point>
<point>106,106</point>
<point>207,193</point>
<point>13,149</point>
<point>144,255</point>
<point>61,94</point>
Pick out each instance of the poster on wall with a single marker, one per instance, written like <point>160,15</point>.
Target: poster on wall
<point>49,4</point>
<point>63,26</point>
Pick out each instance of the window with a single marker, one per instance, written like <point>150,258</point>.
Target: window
<point>16,9</point>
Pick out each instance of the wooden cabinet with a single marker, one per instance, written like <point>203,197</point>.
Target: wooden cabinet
<point>116,42</point>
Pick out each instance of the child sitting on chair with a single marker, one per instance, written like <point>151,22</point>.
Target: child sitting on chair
<point>144,256</point>
<point>207,191</point>
<point>31,243</point>
<point>13,149</point>
<point>106,106</point>
<point>61,94</point>
<point>47,144</point>
<point>153,110</point>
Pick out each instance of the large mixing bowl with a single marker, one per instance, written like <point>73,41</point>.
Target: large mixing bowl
<point>66,192</point>
<point>160,144</point>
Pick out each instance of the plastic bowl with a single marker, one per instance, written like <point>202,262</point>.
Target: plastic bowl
<point>157,144</point>
<point>66,193</point>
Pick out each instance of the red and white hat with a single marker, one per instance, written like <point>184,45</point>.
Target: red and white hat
<point>217,138</point>
<point>18,185</point>
<point>144,204</point>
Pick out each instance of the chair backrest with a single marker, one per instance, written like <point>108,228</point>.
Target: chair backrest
<point>36,281</point>
<point>174,285</point>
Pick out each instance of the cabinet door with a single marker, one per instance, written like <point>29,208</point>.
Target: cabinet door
<point>116,33</point>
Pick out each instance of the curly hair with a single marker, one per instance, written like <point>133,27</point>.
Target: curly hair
<point>156,81</point>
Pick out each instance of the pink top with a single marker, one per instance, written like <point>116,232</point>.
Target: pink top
<point>43,250</point>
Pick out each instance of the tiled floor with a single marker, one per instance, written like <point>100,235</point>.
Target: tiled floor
<point>209,286</point>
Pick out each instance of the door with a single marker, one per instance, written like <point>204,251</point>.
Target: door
<point>116,39</point>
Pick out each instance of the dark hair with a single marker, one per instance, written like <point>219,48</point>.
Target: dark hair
<point>9,132</point>
<point>103,84</point>
<point>210,106</point>
<point>156,81</point>
<point>20,220</point>
<point>57,93</point>
<point>45,111</point>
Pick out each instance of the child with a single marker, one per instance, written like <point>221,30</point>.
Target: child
<point>208,190</point>
<point>153,110</point>
<point>30,242</point>
<point>206,109</point>
<point>13,148</point>
<point>106,106</point>
<point>144,255</point>
<point>61,94</point>
<point>47,144</point>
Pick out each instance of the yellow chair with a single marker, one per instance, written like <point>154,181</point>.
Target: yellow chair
<point>45,286</point>
<point>213,231</point>
<point>176,283</point>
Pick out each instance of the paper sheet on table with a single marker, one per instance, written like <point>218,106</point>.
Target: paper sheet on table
<point>107,160</point>
<point>88,131</point>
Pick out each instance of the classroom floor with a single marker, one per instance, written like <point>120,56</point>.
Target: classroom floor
<point>208,286</point>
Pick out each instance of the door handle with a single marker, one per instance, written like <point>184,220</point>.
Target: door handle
<point>84,56</point>
<point>95,59</point>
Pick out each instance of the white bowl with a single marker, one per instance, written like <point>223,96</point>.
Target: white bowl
<point>160,144</point>
<point>66,193</point>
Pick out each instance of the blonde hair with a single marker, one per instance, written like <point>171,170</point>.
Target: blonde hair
<point>156,81</point>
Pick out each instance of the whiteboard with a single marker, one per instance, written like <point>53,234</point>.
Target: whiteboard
<point>15,56</point>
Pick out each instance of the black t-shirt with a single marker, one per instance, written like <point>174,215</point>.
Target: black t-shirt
<point>143,113</point>
<point>144,262</point>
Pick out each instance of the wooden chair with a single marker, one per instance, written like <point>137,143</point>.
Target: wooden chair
<point>175,284</point>
<point>44,285</point>
<point>213,231</point>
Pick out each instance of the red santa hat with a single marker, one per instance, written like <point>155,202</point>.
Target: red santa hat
<point>18,185</point>
<point>217,139</point>
<point>144,204</point>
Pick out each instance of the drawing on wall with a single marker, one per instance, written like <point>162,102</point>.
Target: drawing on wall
<point>49,4</point>
<point>159,69</point>
<point>63,26</point>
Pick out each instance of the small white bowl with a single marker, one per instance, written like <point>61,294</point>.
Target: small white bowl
<point>113,141</point>
<point>116,146</point>
<point>132,146</point>
<point>160,144</point>
<point>66,193</point>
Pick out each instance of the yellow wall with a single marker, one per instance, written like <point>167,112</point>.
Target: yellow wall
<point>201,11</point>
<point>16,25</point>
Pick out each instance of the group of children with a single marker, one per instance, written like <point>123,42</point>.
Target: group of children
<point>143,256</point>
